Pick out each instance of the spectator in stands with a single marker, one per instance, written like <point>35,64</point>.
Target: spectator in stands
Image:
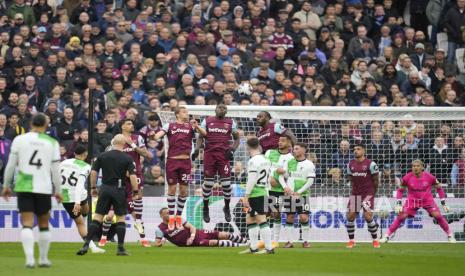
<point>340,159</point>
<point>440,160</point>
<point>458,170</point>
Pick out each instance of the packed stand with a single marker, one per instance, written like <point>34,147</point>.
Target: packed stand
<point>139,57</point>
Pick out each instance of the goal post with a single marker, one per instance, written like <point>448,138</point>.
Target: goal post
<point>393,136</point>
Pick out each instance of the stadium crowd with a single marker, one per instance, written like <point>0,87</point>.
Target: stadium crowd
<point>135,58</point>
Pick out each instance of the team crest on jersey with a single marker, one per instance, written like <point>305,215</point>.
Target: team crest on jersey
<point>226,125</point>
<point>364,168</point>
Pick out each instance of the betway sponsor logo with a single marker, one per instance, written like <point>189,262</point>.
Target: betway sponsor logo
<point>218,130</point>
<point>175,232</point>
<point>264,136</point>
<point>180,130</point>
<point>362,174</point>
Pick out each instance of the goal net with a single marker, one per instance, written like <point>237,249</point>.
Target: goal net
<point>394,137</point>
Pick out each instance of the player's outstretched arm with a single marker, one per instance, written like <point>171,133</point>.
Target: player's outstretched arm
<point>159,242</point>
<point>159,135</point>
<point>193,231</point>
<point>195,125</point>
<point>442,196</point>
<point>399,194</point>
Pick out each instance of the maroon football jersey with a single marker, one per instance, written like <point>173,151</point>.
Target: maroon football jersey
<point>176,236</point>
<point>139,141</point>
<point>148,131</point>
<point>269,136</point>
<point>218,133</point>
<point>180,137</point>
<point>362,176</point>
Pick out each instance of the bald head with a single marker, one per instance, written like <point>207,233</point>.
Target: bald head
<point>118,142</point>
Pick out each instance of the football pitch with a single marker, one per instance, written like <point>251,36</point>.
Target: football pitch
<point>320,259</point>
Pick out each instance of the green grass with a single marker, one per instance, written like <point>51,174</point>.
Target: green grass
<point>321,259</point>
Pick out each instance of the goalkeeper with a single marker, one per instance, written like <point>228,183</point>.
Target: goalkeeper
<point>418,184</point>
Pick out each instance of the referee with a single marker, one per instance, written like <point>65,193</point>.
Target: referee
<point>115,166</point>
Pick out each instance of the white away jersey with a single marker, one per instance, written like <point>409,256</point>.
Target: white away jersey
<point>35,153</point>
<point>259,166</point>
<point>74,173</point>
<point>299,172</point>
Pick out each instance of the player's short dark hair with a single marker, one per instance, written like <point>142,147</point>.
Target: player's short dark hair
<point>162,209</point>
<point>302,145</point>
<point>80,149</point>
<point>267,114</point>
<point>359,145</point>
<point>288,137</point>
<point>154,117</point>
<point>39,120</point>
<point>122,122</point>
<point>253,143</point>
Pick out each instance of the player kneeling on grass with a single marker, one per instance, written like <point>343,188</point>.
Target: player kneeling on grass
<point>74,173</point>
<point>419,183</point>
<point>302,174</point>
<point>188,235</point>
<point>256,196</point>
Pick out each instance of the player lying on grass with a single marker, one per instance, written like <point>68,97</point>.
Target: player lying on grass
<point>419,183</point>
<point>190,236</point>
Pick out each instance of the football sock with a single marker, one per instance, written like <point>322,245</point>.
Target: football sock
<point>265,234</point>
<point>444,225</point>
<point>226,185</point>
<point>44,243</point>
<point>94,227</point>
<point>288,232</point>
<point>253,235</point>
<point>305,226</point>
<point>276,229</point>
<point>350,229</point>
<point>373,229</point>
<point>106,225</point>
<point>120,232</point>
<point>223,243</point>
<point>138,208</point>
<point>395,225</point>
<point>171,204</point>
<point>181,202</point>
<point>27,239</point>
<point>207,190</point>
<point>237,238</point>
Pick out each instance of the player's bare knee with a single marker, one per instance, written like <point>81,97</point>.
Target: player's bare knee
<point>183,191</point>
<point>368,216</point>
<point>290,218</point>
<point>212,243</point>
<point>276,215</point>
<point>84,210</point>
<point>43,220</point>
<point>303,218</point>
<point>223,235</point>
<point>260,219</point>
<point>351,216</point>
<point>172,190</point>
